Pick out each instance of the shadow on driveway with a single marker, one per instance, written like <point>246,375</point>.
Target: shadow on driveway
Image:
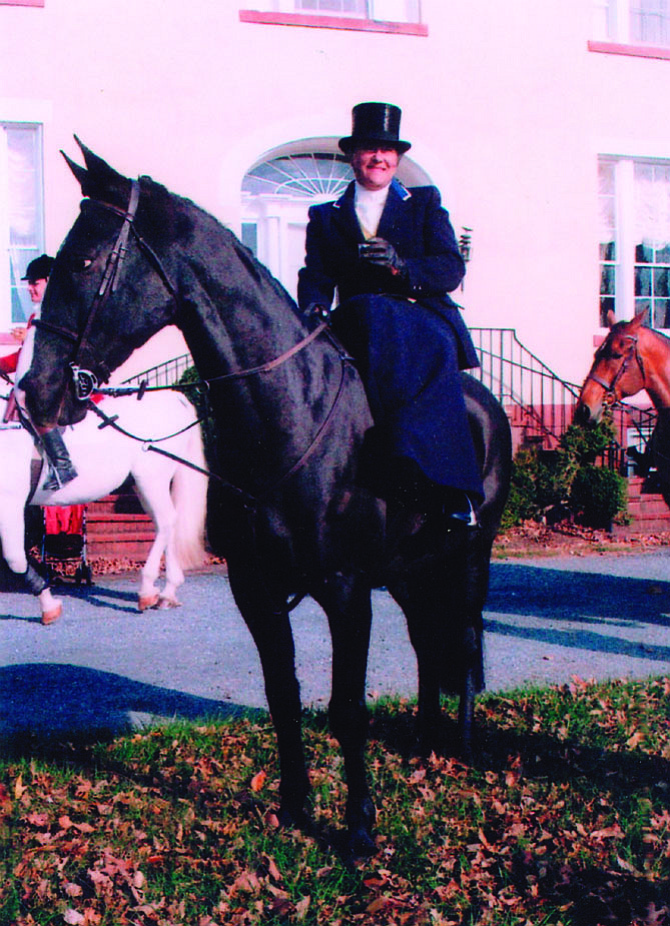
<point>39,698</point>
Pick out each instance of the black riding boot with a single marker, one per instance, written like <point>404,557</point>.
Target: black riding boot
<point>61,470</point>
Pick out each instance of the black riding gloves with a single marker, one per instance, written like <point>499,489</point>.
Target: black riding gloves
<point>381,253</point>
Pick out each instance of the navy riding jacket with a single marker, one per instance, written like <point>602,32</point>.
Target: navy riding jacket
<point>417,226</point>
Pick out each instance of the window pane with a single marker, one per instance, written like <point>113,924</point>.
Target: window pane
<point>644,254</point>
<point>661,282</point>
<point>607,280</point>
<point>662,313</point>
<point>250,237</point>
<point>607,250</point>
<point>336,7</point>
<point>26,227</point>
<point>642,281</point>
<point>649,21</point>
<point>607,304</point>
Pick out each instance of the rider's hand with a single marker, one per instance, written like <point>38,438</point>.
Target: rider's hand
<point>381,253</point>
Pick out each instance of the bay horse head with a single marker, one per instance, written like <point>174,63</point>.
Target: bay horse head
<point>101,264</point>
<point>618,370</point>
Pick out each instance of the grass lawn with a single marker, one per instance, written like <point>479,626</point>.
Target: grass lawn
<point>563,818</point>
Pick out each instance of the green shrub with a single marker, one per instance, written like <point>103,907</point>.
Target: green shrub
<point>598,495</point>
<point>552,485</point>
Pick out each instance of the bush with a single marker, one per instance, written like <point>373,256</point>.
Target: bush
<point>550,486</point>
<point>597,496</point>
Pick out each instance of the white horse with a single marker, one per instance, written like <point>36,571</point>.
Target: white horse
<point>172,494</point>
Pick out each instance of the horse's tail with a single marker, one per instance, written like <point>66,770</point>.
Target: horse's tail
<point>189,494</point>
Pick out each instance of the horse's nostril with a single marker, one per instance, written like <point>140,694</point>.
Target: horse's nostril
<point>582,414</point>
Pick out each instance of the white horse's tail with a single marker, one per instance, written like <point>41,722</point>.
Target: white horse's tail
<point>189,494</point>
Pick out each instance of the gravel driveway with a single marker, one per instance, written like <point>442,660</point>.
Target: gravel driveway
<point>105,666</point>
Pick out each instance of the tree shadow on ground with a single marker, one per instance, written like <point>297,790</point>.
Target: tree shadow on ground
<point>49,703</point>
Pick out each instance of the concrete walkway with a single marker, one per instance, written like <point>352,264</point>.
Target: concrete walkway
<point>105,666</point>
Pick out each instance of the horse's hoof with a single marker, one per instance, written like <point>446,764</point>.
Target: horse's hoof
<point>361,845</point>
<point>165,603</point>
<point>49,617</point>
<point>146,602</point>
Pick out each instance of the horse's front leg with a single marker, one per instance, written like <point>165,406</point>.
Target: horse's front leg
<point>12,537</point>
<point>273,636</point>
<point>347,605</point>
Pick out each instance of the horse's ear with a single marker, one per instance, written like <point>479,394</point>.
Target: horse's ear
<point>97,179</point>
<point>610,319</point>
<point>639,320</point>
<point>80,173</point>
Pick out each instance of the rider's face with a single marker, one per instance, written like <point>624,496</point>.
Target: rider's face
<point>374,168</point>
<point>36,290</point>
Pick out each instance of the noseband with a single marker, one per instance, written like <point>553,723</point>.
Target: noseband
<point>610,388</point>
<point>85,381</point>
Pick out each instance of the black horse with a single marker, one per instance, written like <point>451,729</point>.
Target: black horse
<point>291,414</point>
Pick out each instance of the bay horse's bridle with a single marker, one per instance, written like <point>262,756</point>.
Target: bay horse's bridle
<point>610,388</point>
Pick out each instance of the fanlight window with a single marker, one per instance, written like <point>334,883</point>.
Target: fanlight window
<point>305,176</point>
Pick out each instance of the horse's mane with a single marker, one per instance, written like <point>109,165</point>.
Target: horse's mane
<point>171,219</point>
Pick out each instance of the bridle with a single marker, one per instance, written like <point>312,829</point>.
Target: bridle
<point>85,380</point>
<point>610,388</point>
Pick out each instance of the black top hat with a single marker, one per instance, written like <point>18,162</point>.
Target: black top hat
<point>39,269</point>
<point>375,122</point>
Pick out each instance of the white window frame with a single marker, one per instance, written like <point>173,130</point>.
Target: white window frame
<point>612,21</point>
<point>14,297</point>
<point>625,236</point>
<point>400,11</point>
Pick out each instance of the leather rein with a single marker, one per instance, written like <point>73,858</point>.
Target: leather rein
<point>610,388</point>
<point>86,382</point>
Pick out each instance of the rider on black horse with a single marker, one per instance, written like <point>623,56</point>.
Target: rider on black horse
<point>392,255</point>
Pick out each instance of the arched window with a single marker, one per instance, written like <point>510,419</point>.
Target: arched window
<point>279,189</point>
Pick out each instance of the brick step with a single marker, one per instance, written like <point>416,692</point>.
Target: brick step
<point>118,527</point>
<point>646,507</point>
<point>651,526</point>
<point>104,551</point>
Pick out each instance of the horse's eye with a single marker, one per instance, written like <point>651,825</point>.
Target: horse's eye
<point>79,264</point>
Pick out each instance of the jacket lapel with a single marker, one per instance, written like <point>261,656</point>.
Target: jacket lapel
<point>344,215</point>
<point>395,208</point>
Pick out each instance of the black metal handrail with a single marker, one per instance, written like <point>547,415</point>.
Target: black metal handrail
<point>536,399</point>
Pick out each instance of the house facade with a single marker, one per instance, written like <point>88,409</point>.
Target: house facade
<point>544,125</point>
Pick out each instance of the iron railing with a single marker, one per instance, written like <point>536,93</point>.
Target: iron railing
<point>164,374</point>
<point>537,401</point>
<point>540,404</point>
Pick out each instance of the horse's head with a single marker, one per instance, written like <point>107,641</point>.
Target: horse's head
<point>108,292</point>
<point>617,370</point>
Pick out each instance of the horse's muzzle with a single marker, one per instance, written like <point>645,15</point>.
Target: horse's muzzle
<point>583,415</point>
